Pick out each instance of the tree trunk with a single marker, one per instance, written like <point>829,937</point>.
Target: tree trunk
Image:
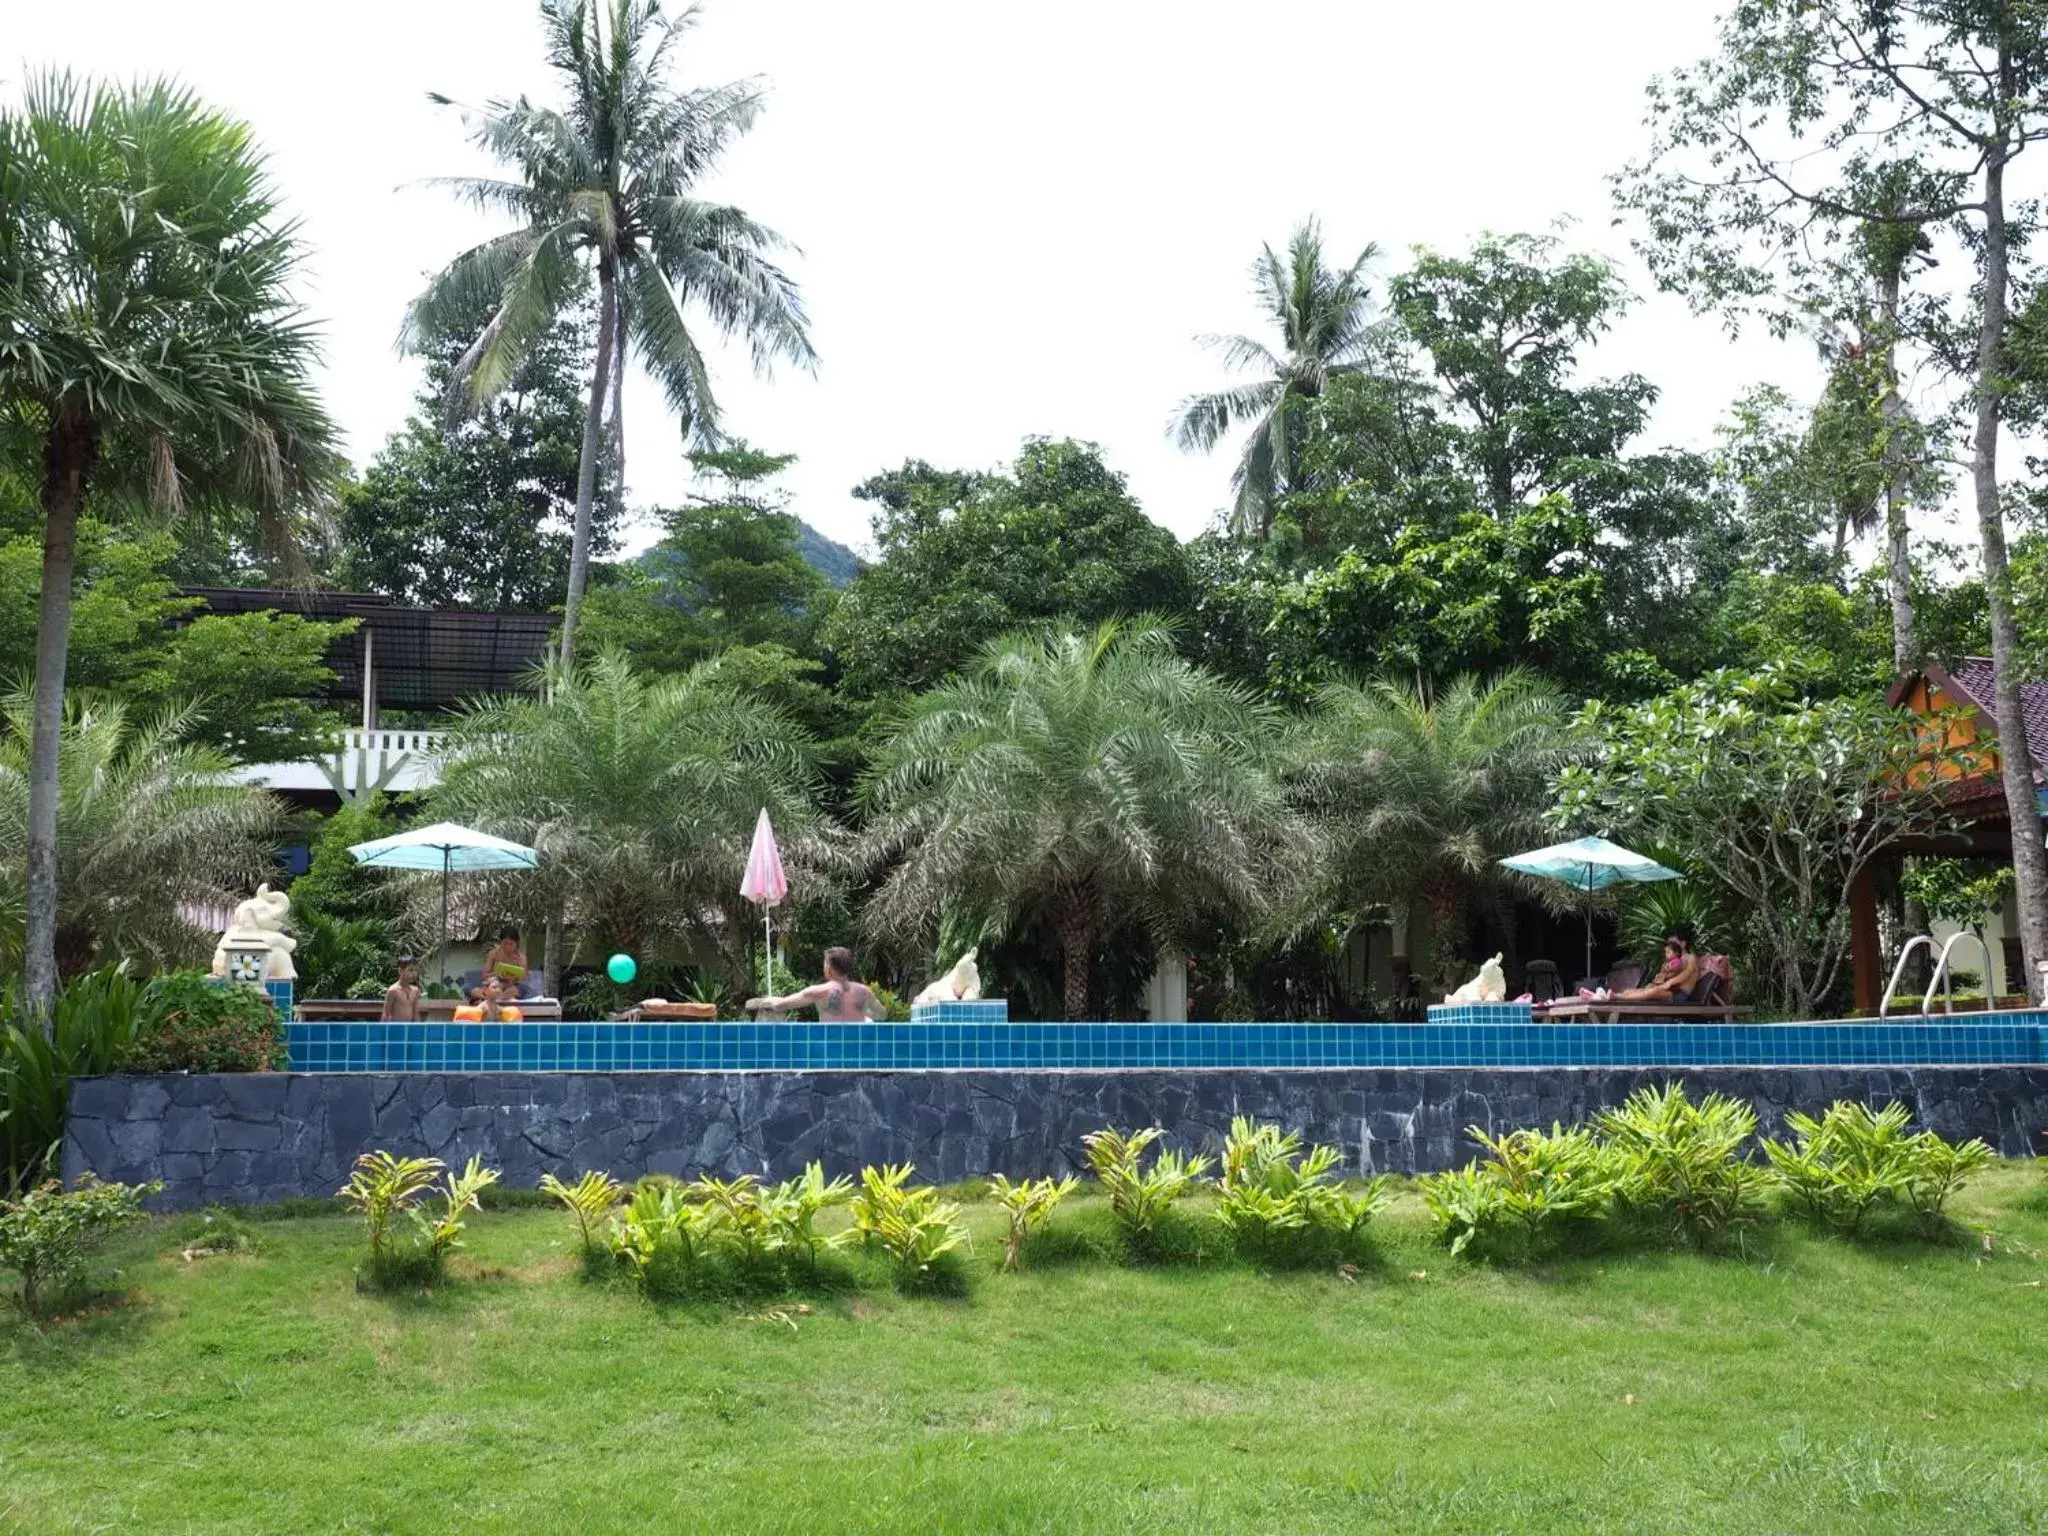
<point>1898,474</point>
<point>593,451</point>
<point>551,957</point>
<point>2029,857</point>
<point>68,460</point>
<point>1077,925</point>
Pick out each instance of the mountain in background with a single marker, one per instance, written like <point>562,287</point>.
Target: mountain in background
<point>828,557</point>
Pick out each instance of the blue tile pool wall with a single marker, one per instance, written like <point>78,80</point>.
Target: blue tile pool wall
<point>1998,1039</point>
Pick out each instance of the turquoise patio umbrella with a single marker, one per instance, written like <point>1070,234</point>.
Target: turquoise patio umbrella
<point>449,848</point>
<point>1589,864</point>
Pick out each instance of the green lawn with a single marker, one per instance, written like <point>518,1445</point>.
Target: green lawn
<point>1810,1385</point>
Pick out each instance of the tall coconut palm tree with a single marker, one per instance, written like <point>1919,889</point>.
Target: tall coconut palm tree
<point>1076,780</point>
<point>149,347</point>
<point>1324,317</point>
<point>640,795</point>
<point>606,187</point>
<point>149,827</point>
<point>1421,793</point>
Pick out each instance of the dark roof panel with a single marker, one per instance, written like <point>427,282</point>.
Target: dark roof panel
<point>424,658</point>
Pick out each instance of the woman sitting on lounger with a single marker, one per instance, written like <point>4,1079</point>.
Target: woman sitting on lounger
<point>1678,981</point>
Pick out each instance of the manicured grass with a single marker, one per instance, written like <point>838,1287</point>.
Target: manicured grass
<point>1808,1385</point>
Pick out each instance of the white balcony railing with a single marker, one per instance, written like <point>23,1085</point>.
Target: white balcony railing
<point>360,764</point>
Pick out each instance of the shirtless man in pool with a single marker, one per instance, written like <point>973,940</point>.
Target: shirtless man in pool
<point>839,999</point>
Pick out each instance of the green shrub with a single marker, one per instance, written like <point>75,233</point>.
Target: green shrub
<point>384,1187</point>
<point>1853,1159</point>
<point>1278,1202</point>
<point>793,1207</point>
<point>910,1223</point>
<point>1141,1199</point>
<point>660,1237</point>
<point>191,1023</point>
<point>1681,1164</point>
<point>1029,1205</point>
<point>94,1024</point>
<point>48,1235</point>
<point>1531,1193</point>
<point>591,1200</point>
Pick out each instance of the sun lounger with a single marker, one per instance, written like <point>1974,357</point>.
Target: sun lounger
<point>1626,1013</point>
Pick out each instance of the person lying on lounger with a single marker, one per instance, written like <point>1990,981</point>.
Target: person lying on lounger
<point>1677,981</point>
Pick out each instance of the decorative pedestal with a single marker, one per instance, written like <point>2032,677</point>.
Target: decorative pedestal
<point>987,1010</point>
<point>1481,1013</point>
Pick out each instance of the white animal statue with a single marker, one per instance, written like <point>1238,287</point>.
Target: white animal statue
<point>962,984</point>
<point>1489,986</point>
<point>259,924</point>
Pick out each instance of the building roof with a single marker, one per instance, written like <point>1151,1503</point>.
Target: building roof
<point>422,658</point>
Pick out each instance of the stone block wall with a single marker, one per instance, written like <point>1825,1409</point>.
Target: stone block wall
<point>272,1136</point>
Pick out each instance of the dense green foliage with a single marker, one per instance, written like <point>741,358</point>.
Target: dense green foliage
<point>191,1023</point>
<point>1090,783</point>
<point>148,823</point>
<point>48,1235</point>
<point>93,1026</point>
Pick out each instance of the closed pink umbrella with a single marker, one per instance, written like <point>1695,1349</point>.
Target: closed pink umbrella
<point>764,882</point>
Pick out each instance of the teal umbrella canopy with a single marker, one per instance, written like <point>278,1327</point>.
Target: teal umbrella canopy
<point>1589,864</point>
<point>445,847</point>
<point>451,850</point>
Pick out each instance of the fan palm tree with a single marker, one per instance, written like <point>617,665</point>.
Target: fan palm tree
<point>605,187</point>
<point>1080,779</point>
<point>149,827</point>
<point>639,793</point>
<point>1422,793</point>
<point>1325,325</point>
<point>149,347</point>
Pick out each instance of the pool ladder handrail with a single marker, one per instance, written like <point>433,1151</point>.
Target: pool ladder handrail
<point>1948,1004</point>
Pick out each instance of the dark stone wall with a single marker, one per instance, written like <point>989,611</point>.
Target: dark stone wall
<point>273,1136</point>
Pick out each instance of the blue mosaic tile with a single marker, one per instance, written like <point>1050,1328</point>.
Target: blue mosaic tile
<point>986,1010</point>
<point>350,1046</point>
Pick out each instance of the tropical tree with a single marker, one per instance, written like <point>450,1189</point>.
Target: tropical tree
<point>640,794</point>
<point>1422,792</point>
<point>150,826</point>
<point>606,187</point>
<point>1081,781</point>
<point>1324,317</point>
<point>149,346</point>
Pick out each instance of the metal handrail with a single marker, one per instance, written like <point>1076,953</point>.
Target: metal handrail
<point>1899,971</point>
<point>1948,1002</point>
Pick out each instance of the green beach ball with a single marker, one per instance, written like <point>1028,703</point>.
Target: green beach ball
<point>621,969</point>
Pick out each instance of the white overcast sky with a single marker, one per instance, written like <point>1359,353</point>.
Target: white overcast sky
<point>1013,218</point>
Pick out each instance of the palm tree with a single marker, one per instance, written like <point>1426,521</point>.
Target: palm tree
<point>1324,318</point>
<point>149,347</point>
<point>606,186</point>
<point>1422,793</point>
<point>640,794</point>
<point>149,827</point>
<point>1080,780</point>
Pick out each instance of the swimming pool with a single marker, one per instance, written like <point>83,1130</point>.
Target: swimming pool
<point>1471,1038</point>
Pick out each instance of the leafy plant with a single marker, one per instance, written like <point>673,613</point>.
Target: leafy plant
<point>793,1207</point>
<point>1029,1205</point>
<point>48,1234</point>
<point>1140,1199</point>
<point>1269,1194</point>
<point>912,1224</point>
<point>1529,1193</point>
<point>591,1200</point>
<point>442,1230</point>
<point>194,1024</point>
<point>380,1188</point>
<point>1682,1162</point>
<point>660,1235</point>
<point>1854,1159</point>
<point>92,1028</point>
<point>742,1219</point>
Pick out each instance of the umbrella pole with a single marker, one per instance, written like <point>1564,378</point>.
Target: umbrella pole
<point>1589,922</point>
<point>767,950</point>
<point>441,954</point>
